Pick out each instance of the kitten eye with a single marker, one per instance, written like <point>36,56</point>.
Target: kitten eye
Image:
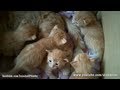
<point>50,61</point>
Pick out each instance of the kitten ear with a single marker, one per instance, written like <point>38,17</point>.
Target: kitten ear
<point>53,30</point>
<point>73,63</point>
<point>55,27</point>
<point>63,41</point>
<point>48,51</point>
<point>66,60</point>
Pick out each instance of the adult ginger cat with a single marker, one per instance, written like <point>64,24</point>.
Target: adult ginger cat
<point>57,66</point>
<point>12,42</point>
<point>83,66</point>
<point>32,55</point>
<point>91,31</point>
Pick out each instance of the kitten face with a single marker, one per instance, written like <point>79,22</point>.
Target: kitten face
<point>82,63</point>
<point>82,18</point>
<point>56,59</point>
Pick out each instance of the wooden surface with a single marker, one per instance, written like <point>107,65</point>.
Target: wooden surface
<point>111,27</point>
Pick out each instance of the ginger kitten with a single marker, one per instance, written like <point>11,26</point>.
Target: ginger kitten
<point>32,55</point>
<point>83,67</point>
<point>92,33</point>
<point>57,66</point>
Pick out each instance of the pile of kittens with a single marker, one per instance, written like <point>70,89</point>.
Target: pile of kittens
<point>53,45</point>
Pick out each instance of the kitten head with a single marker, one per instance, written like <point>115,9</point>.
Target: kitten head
<point>59,35</point>
<point>82,63</point>
<point>83,18</point>
<point>27,32</point>
<point>56,59</point>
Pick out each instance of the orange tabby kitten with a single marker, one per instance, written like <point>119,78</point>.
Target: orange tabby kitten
<point>57,65</point>
<point>32,55</point>
<point>92,32</point>
<point>12,42</point>
<point>83,66</point>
